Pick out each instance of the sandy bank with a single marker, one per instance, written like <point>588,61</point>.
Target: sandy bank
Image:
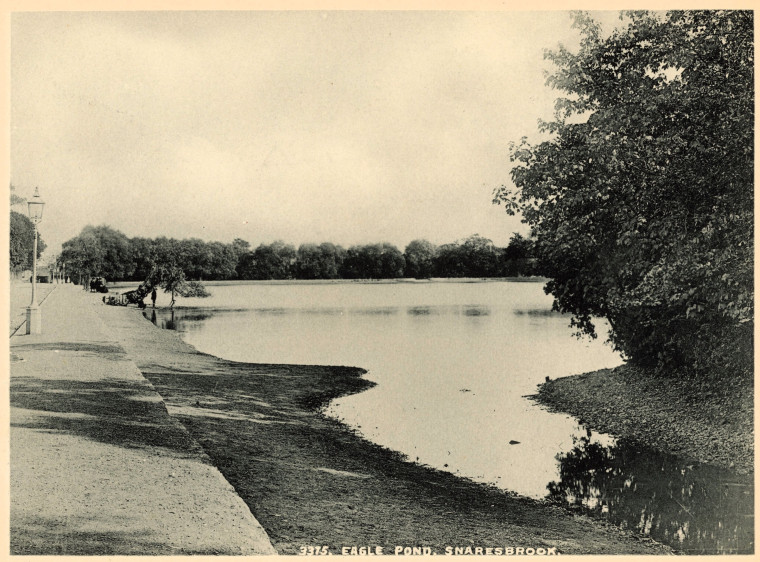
<point>311,482</point>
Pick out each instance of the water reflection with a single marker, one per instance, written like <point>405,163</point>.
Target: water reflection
<point>450,386</point>
<point>376,310</point>
<point>419,310</point>
<point>328,311</point>
<point>275,310</point>
<point>177,320</point>
<point>477,311</point>
<point>537,312</point>
<point>698,509</point>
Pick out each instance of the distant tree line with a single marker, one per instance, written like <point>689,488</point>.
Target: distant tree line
<point>101,251</point>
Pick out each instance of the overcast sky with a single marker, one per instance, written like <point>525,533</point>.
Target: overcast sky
<point>348,127</point>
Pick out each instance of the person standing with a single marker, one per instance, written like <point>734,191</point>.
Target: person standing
<point>153,297</point>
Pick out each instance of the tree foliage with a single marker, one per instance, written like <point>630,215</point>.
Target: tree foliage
<point>519,248</point>
<point>642,201</point>
<point>419,255</point>
<point>21,236</point>
<point>171,278</point>
<point>22,242</point>
<point>321,261</point>
<point>373,261</point>
<point>475,256</point>
<point>104,252</point>
<point>15,198</point>
<point>268,261</point>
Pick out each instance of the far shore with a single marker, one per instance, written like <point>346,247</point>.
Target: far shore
<point>526,279</point>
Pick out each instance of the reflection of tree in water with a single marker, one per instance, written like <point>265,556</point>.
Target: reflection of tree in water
<point>699,509</point>
<point>170,323</point>
<point>171,320</point>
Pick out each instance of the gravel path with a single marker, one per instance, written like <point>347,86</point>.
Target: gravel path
<point>97,464</point>
<point>21,296</point>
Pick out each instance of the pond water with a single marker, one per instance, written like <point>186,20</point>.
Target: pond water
<point>454,363</point>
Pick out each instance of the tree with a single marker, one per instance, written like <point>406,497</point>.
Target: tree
<point>449,261</point>
<point>116,262</point>
<point>474,256</point>
<point>246,267</point>
<point>195,257</point>
<point>418,256</point>
<point>171,278</point>
<point>21,236</point>
<point>318,262</point>
<point>16,199</point>
<point>641,203</point>
<point>517,257</point>
<point>519,248</point>
<point>83,256</point>
<point>391,261</point>
<point>22,242</point>
<point>480,256</point>
<point>272,261</point>
<point>331,259</point>
<point>99,251</point>
<point>222,263</point>
<point>308,262</point>
<point>239,248</point>
<point>141,256</point>
<point>373,261</point>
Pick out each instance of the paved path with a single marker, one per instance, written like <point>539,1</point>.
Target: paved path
<point>97,464</point>
<point>21,296</point>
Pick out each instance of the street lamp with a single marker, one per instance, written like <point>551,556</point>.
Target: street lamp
<point>33,316</point>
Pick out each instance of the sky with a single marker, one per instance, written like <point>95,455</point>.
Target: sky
<point>343,127</point>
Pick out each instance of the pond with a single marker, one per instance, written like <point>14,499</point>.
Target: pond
<point>454,364</point>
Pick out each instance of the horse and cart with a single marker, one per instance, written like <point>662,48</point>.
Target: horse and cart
<point>136,296</point>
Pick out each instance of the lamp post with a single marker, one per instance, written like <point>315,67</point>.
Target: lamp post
<point>33,316</point>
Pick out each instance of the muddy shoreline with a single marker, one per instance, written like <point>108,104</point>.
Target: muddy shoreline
<point>310,481</point>
<point>702,422</point>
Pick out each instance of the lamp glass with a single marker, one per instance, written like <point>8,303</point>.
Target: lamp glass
<point>36,206</point>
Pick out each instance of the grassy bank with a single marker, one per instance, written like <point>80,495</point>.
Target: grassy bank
<point>702,421</point>
<point>312,482</point>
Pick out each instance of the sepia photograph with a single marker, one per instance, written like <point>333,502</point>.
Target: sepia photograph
<point>357,282</point>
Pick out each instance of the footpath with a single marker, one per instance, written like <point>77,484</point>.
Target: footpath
<point>97,465</point>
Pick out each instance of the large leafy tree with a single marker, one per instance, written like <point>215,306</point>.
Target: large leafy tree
<point>117,258</point>
<point>308,262</point>
<point>419,255</point>
<point>268,261</point>
<point>99,251</point>
<point>83,256</point>
<point>318,261</point>
<point>641,203</point>
<point>141,250</point>
<point>22,241</point>
<point>373,261</point>
<point>519,248</point>
<point>21,235</point>
<point>517,257</point>
<point>223,261</point>
<point>475,256</point>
